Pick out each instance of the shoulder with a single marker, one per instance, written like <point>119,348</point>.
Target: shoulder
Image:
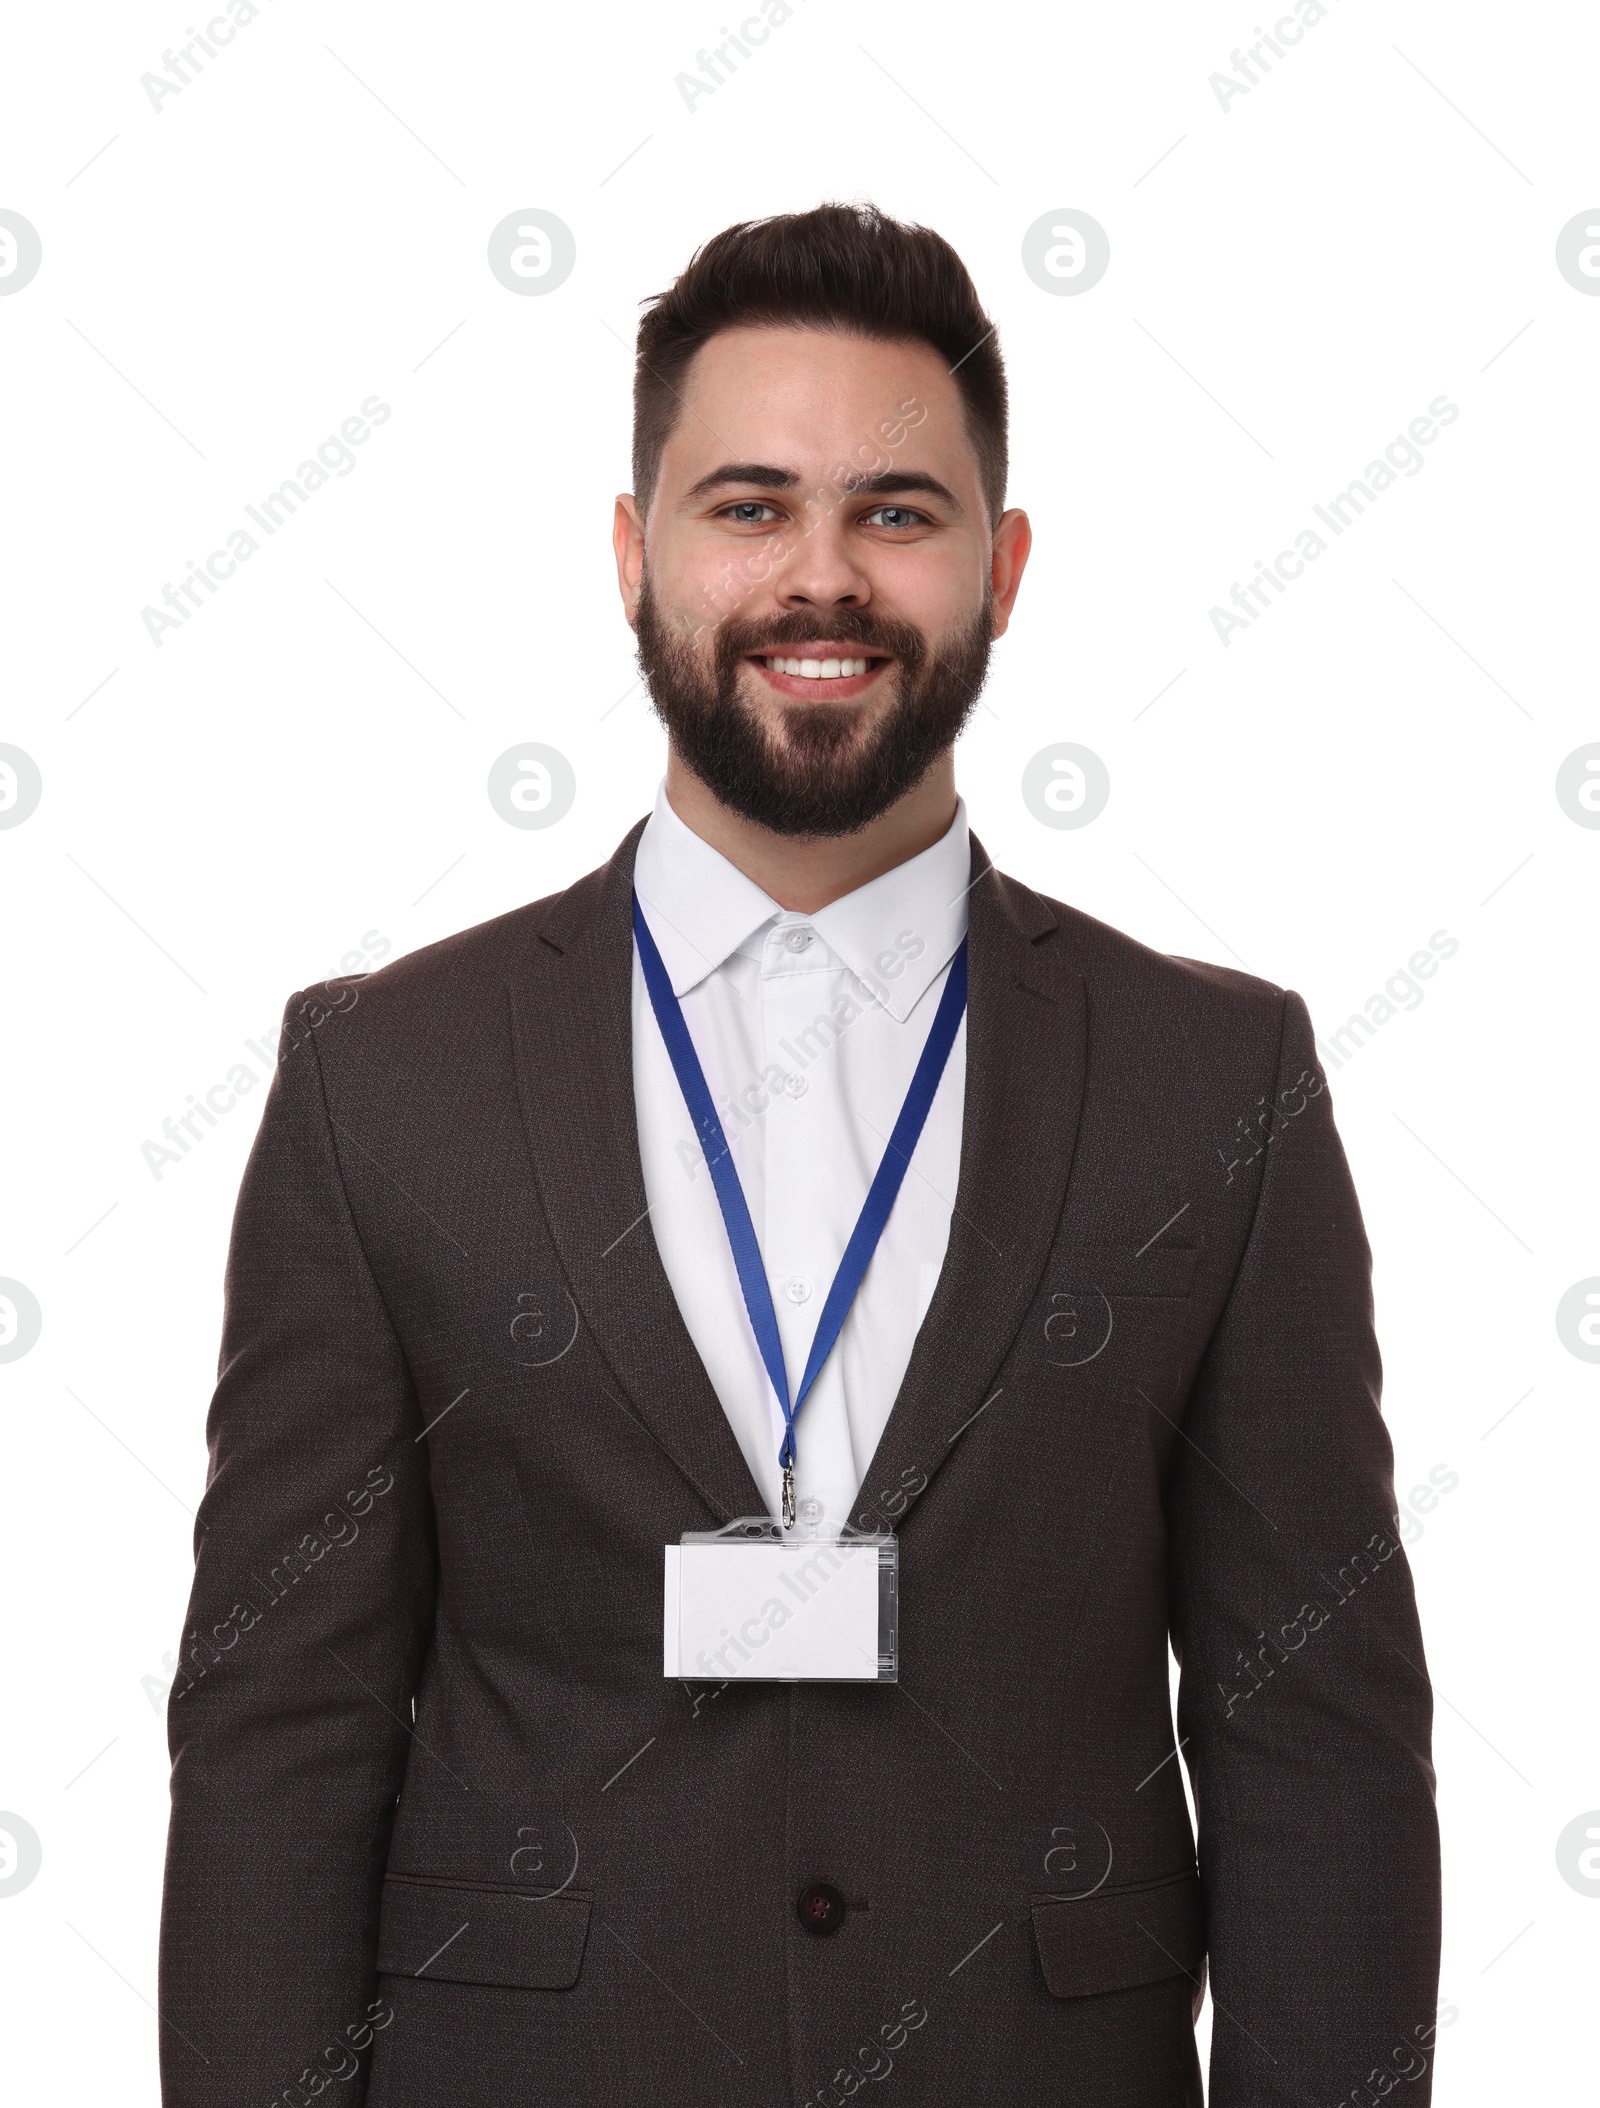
<point>1139,996</point>
<point>450,992</point>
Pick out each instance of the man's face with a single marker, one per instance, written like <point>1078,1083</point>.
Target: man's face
<point>818,582</point>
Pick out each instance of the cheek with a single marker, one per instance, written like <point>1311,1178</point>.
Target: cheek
<point>706,581</point>
<point>937,585</point>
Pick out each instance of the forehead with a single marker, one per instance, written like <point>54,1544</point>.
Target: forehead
<point>803,396</point>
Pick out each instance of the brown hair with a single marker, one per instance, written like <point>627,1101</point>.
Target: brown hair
<point>842,267</point>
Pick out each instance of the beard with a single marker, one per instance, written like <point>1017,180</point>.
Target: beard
<point>833,769</point>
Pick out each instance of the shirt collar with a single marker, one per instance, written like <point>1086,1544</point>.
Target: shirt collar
<point>702,909</point>
<point>879,925</point>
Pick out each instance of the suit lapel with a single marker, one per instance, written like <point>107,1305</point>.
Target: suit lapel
<point>1026,1050</point>
<point>572,1027</point>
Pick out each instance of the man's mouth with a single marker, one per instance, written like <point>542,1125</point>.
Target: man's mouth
<point>821,671</point>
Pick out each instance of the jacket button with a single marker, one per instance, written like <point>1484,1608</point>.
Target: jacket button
<point>821,1908</point>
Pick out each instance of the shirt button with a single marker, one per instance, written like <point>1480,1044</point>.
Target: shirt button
<point>798,1290</point>
<point>821,1908</point>
<point>797,940</point>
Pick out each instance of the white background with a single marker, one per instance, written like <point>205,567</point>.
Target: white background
<point>225,816</point>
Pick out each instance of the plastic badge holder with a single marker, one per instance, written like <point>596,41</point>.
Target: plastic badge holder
<point>755,1603</point>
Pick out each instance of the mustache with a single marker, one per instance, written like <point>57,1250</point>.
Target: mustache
<point>895,640</point>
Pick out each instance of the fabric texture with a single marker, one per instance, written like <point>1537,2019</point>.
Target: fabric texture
<point>442,1832</point>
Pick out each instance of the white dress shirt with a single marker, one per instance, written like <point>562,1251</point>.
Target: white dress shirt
<point>809,1028</point>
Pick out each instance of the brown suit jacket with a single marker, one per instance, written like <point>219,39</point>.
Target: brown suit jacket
<point>441,1830</point>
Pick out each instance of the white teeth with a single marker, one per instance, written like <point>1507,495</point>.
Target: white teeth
<point>818,669</point>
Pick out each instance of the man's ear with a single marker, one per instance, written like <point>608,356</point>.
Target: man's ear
<point>1013,538</point>
<point>627,539</point>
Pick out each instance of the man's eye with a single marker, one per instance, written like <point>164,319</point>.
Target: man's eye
<point>748,512</point>
<point>895,516</point>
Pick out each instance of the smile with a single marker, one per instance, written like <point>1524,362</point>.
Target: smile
<point>817,669</point>
<point>822,672</point>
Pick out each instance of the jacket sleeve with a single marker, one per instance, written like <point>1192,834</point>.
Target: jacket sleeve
<point>1303,1701</point>
<point>290,1715</point>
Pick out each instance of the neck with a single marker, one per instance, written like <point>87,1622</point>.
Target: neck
<point>805,872</point>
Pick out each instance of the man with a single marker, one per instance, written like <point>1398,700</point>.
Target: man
<point>540,1234</point>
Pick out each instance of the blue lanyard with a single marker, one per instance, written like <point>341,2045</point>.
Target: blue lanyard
<point>875,1209</point>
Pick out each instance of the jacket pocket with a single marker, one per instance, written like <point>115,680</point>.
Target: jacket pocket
<point>1166,1270</point>
<point>1121,1937</point>
<point>465,1933</point>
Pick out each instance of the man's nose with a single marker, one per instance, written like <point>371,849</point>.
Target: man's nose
<point>822,571</point>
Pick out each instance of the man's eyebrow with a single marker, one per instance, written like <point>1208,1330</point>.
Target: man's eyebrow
<point>892,482</point>
<point>761,473</point>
